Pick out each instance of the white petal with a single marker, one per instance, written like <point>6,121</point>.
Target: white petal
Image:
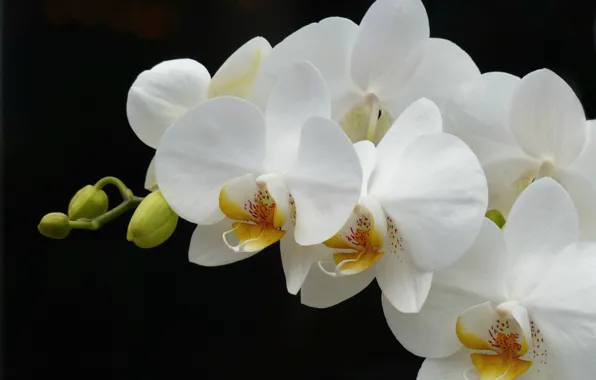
<point>475,278</point>
<point>161,95</point>
<point>478,113</point>
<point>547,119</point>
<point>208,249</point>
<point>150,179</point>
<point>583,194</point>
<point>443,68</point>
<point>421,118</point>
<point>564,309</point>
<point>322,291</point>
<point>297,261</point>
<point>390,32</point>
<point>542,223</point>
<point>218,141</point>
<point>437,197</point>
<point>325,181</point>
<point>326,44</point>
<point>237,75</point>
<point>456,367</point>
<point>367,155</point>
<point>585,162</point>
<point>507,178</point>
<point>403,284</point>
<point>299,94</point>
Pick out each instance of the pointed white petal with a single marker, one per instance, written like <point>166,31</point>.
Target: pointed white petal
<point>326,44</point>
<point>322,291</point>
<point>391,32</point>
<point>547,119</point>
<point>161,95</point>
<point>542,223</point>
<point>325,181</point>
<point>299,94</point>
<point>563,308</point>
<point>507,178</point>
<point>583,194</point>
<point>456,367</point>
<point>477,277</point>
<point>367,155</point>
<point>238,73</point>
<point>150,179</point>
<point>421,118</point>
<point>297,261</point>
<point>208,249</point>
<point>218,141</point>
<point>437,196</point>
<point>478,113</point>
<point>443,68</point>
<point>585,162</point>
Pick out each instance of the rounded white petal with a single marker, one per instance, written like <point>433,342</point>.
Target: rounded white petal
<point>161,95</point>
<point>150,179</point>
<point>208,249</point>
<point>444,67</point>
<point>478,113</point>
<point>477,277</point>
<point>322,291</point>
<point>297,261</point>
<point>563,307</point>
<point>238,73</point>
<point>300,93</point>
<point>367,155</point>
<point>547,119</point>
<point>456,367</point>
<point>218,141</point>
<point>391,32</point>
<point>325,181</point>
<point>437,196</point>
<point>583,194</point>
<point>326,44</point>
<point>541,224</point>
<point>421,118</point>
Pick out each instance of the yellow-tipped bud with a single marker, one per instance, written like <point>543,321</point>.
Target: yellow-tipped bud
<point>54,225</point>
<point>88,203</point>
<point>153,222</point>
<point>496,217</point>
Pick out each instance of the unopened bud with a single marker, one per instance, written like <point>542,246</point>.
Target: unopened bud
<point>55,225</point>
<point>496,217</point>
<point>88,203</point>
<point>153,222</point>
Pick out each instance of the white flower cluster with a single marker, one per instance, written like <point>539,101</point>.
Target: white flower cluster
<point>374,151</point>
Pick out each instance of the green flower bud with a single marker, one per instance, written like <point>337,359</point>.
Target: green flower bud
<point>54,225</point>
<point>88,203</point>
<point>152,223</point>
<point>496,217</point>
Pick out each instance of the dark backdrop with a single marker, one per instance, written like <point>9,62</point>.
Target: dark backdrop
<point>94,305</point>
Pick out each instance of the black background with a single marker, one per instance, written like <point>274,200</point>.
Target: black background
<point>94,305</point>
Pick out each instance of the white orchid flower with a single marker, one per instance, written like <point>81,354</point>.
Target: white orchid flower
<point>376,68</point>
<point>525,129</point>
<point>518,305</point>
<point>159,96</point>
<point>421,206</point>
<point>233,170</point>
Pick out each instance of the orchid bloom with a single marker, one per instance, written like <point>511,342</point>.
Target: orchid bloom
<point>376,69</point>
<point>525,129</point>
<point>422,203</point>
<point>518,305</point>
<point>159,96</point>
<point>235,171</point>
